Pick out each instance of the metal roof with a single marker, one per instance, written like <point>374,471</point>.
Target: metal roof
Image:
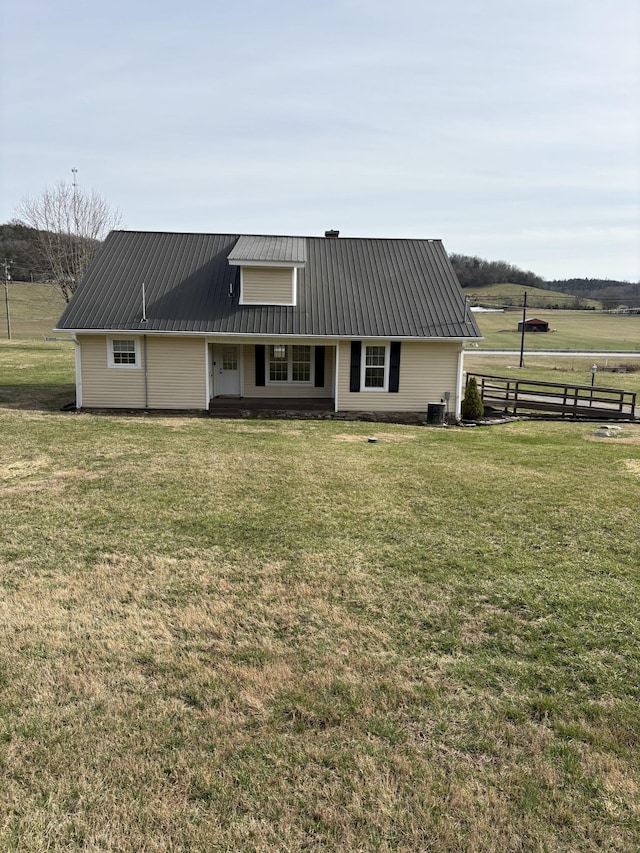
<point>288,250</point>
<point>349,288</point>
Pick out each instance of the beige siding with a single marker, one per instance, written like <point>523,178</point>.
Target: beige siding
<point>427,370</point>
<point>176,375</point>
<point>104,386</point>
<point>267,285</point>
<point>285,390</point>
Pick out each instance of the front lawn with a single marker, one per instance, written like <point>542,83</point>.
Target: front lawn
<point>275,635</point>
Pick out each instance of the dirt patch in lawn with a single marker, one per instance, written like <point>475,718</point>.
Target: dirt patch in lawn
<point>625,435</point>
<point>394,438</point>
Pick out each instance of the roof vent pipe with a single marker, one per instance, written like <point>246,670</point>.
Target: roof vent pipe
<point>332,235</point>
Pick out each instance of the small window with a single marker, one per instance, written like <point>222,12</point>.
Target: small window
<point>375,367</point>
<point>230,358</point>
<point>123,352</point>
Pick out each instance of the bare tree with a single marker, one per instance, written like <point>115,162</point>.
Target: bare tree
<point>71,224</point>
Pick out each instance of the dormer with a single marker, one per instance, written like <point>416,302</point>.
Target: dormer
<point>269,268</point>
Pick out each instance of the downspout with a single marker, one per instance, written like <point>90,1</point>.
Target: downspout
<point>335,378</point>
<point>208,367</point>
<point>78,361</point>
<point>146,372</point>
<point>459,382</point>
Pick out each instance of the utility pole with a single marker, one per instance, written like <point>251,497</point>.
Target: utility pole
<point>524,320</point>
<point>7,279</point>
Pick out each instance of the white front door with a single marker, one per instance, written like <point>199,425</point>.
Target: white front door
<point>226,370</point>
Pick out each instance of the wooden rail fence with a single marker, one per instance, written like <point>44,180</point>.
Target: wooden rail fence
<point>579,401</point>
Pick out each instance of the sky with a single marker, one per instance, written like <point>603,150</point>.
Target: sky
<point>510,129</point>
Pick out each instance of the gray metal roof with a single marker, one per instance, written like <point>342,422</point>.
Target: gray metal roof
<point>289,250</point>
<point>349,287</point>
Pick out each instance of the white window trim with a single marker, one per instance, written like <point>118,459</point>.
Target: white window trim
<point>281,382</point>
<point>363,366</point>
<point>123,337</point>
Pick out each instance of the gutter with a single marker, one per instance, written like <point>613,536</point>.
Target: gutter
<point>249,337</point>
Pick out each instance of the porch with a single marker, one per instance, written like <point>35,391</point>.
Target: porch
<point>271,407</point>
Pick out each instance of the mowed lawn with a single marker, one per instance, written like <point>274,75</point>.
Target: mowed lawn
<point>570,330</point>
<point>275,635</point>
<point>34,310</point>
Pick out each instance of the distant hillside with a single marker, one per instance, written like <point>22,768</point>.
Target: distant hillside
<point>21,246</point>
<point>508,295</point>
<point>476,273</point>
<point>609,293</point>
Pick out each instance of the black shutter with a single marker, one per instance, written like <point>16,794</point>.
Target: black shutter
<point>356,355</point>
<point>394,366</point>
<point>319,367</point>
<point>260,358</point>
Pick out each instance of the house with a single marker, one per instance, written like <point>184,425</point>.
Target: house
<point>534,325</point>
<point>188,321</point>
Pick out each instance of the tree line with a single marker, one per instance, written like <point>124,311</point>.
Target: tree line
<point>476,272</point>
<point>609,292</point>
<point>473,271</point>
<point>56,236</point>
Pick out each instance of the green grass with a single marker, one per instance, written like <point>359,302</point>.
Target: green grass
<point>36,375</point>
<point>572,330</point>
<point>261,635</point>
<point>558,368</point>
<point>34,310</point>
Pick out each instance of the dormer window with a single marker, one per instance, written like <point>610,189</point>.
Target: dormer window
<point>269,269</point>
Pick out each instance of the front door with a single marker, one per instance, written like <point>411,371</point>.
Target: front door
<point>226,370</point>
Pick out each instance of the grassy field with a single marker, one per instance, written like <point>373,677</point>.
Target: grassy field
<point>34,310</point>
<point>513,294</point>
<point>573,330</point>
<point>255,635</point>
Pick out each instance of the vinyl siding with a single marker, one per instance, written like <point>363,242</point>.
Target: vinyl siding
<point>427,370</point>
<point>267,285</point>
<point>175,375</point>
<point>286,390</point>
<point>108,387</point>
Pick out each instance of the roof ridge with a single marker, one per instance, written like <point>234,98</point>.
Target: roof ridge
<point>238,234</point>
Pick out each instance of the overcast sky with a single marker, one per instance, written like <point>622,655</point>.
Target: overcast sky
<point>508,128</point>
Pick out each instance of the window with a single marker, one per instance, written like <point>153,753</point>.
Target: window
<point>301,364</point>
<point>290,364</point>
<point>375,367</point>
<point>123,352</point>
<point>278,364</point>
<point>230,358</point>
